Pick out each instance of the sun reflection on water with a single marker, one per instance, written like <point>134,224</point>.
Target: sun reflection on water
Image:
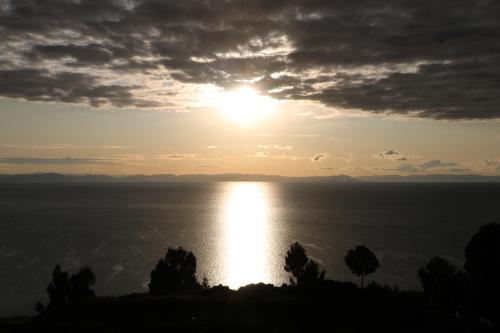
<point>246,219</point>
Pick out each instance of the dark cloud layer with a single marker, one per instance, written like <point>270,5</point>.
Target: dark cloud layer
<point>433,59</point>
<point>66,87</point>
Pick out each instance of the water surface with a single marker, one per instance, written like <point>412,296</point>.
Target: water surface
<point>239,231</point>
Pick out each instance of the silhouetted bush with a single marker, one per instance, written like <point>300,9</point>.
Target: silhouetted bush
<point>443,285</point>
<point>81,283</point>
<point>303,269</point>
<point>258,290</point>
<point>382,288</point>
<point>204,284</point>
<point>220,291</point>
<point>362,261</point>
<point>63,289</point>
<point>482,256</point>
<point>175,272</point>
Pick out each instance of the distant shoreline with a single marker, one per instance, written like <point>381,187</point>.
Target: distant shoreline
<point>190,178</point>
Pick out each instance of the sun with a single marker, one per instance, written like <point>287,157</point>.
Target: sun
<point>244,105</point>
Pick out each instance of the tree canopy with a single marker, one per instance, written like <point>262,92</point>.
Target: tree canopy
<point>362,261</point>
<point>63,289</point>
<point>443,284</point>
<point>177,271</point>
<point>302,269</point>
<point>482,263</point>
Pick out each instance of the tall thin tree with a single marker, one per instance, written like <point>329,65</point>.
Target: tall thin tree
<point>362,261</point>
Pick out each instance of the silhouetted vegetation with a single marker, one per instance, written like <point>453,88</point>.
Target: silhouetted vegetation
<point>362,261</point>
<point>81,283</point>
<point>59,288</point>
<point>453,300</point>
<point>63,289</point>
<point>482,263</point>
<point>204,283</point>
<point>303,269</point>
<point>443,285</point>
<point>177,271</point>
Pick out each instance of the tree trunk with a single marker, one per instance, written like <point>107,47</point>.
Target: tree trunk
<point>362,281</point>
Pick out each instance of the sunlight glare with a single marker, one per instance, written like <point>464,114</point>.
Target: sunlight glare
<point>246,244</point>
<point>244,105</point>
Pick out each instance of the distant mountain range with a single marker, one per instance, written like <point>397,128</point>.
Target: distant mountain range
<point>165,178</point>
<point>435,178</point>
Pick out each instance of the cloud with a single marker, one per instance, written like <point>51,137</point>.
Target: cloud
<point>434,91</point>
<point>276,147</point>
<point>267,155</point>
<point>491,164</point>
<point>160,157</point>
<point>265,135</point>
<point>347,157</point>
<point>64,146</point>
<point>309,136</point>
<point>114,159</point>
<point>176,157</point>
<point>261,154</point>
<point>405,167</point>
<point>451,167</point>
<point>389,154</point>
<point>210,166</point>
<point>129,157</point>
<point>437,164</point>
<point>43,86</point>
<point>52,161</point>
<point>213,147</point>
<point>393,155</point>
<point>410,58</point>
<point>320,157</point>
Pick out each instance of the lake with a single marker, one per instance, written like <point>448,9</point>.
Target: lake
<point>239,231</point>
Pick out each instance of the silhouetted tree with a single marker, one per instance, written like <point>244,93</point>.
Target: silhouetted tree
<point>303,269</point>
<point>312,272</point>
<point>175,272</point>
<point>63,288</point>
<point>442,284</point>
<point>59,288</point>
<point>81,283</point>
<point>295,261</point>
<point>362,261</point>
<point>482,263</point>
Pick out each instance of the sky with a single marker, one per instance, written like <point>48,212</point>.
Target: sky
<point>294,88</point>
